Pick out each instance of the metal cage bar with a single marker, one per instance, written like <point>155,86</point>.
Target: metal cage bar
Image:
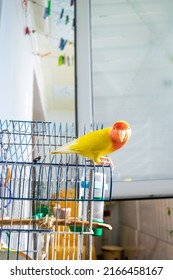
<point>49,205</point>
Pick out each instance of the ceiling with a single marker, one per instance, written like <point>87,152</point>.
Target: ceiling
<point>132,61</point>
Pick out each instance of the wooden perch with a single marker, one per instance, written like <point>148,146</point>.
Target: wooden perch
<point>49,222</point>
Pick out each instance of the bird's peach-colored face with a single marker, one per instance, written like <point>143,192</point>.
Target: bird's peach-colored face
<point>121,130</point>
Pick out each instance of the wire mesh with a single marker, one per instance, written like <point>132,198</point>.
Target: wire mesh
<point>50,206</point>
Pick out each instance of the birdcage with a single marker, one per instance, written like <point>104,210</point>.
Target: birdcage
<point>51,206</point>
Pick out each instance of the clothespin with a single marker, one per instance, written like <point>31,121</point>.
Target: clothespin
<point>60,60</point>
<point>68,60</point>
<point>67,19</point>
<point>46,14</point>
<point>49,7</point>
<point>73,24</point>
<point>27,31</point>
<point>62,13</point>
<point>72,3</point>
<point>62,44</point>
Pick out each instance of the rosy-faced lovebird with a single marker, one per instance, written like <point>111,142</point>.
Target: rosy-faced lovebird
<point>96,144</point>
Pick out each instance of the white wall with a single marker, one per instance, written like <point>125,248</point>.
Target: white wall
<point>16,64</point>
<point>145,225</point>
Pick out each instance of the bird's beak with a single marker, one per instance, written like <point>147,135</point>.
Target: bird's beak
<point>122,134</point>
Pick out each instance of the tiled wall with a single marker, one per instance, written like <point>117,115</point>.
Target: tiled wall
<point>144,228</point>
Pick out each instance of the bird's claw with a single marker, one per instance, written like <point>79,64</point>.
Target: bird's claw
<point>106,161</point>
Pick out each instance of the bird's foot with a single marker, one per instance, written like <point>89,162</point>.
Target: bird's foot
<point>106,161</point>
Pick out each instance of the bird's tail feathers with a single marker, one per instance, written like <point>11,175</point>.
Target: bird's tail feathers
<point>65,149</point>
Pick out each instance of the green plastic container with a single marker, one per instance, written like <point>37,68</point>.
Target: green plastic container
<point>98,231</point>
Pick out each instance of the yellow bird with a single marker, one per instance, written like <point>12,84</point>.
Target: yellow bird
<point>96,144</point>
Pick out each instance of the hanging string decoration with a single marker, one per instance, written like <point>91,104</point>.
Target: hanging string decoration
<point>64,21</point>
<point>62,25</point>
